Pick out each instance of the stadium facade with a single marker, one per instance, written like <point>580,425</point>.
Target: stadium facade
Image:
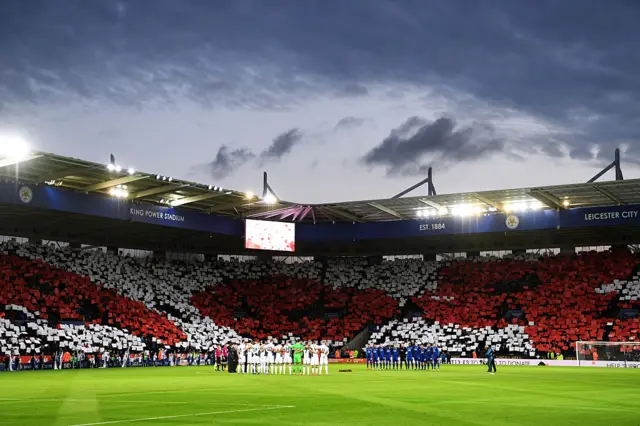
<point>58,198</point>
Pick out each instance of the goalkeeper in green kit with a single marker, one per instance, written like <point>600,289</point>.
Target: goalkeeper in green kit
<point>298,350</point>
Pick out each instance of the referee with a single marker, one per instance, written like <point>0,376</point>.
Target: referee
<point>491,359</point>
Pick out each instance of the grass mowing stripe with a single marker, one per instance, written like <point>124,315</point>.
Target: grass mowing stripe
<point>179,416</point>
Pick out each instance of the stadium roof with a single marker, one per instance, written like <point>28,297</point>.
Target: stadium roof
<point>88,177</point>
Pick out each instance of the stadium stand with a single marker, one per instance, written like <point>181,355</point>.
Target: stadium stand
<point>400,279</point>
<point>525,305</point>
<point>514,302</point>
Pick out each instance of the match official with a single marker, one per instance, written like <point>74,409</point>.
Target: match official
<point>491,359</point>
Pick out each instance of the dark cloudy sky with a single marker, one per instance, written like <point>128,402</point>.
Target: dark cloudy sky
<point>336,99</point>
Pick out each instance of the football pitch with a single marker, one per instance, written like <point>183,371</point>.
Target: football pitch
<point>456,395</point>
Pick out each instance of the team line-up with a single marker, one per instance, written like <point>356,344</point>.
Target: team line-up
<point>270,358</point>
<point>416,357</point>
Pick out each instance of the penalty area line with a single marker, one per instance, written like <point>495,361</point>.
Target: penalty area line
<point>179,416</point>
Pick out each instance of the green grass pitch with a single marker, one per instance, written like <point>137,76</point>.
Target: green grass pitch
<point>456,395</point>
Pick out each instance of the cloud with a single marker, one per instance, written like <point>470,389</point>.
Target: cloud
<point>354,90</point>
<point>227,161</point>
<point>406,148</point>
<point>282,145</point>
<point>348,123</point>
<point>534,57</point>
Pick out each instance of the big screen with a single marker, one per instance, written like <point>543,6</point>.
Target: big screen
<point>266,235</point>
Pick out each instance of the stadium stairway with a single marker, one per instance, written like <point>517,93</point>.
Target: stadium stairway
<point>360,340</point>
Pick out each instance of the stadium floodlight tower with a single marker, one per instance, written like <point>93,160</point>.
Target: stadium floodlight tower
<point>608,354</point>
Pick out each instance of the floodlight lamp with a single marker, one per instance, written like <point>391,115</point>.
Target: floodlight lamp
<point>419,213</point>
<point>111,167</point>
<point>270,199</point>
<point>14,146</point>
<point>565,203</point>
<point>131,170</point>
<point>249,195</point>
<point>118,168</point>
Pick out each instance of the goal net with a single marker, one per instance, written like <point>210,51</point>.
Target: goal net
<point>608,354</point>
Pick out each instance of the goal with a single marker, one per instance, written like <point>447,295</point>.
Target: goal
<point>608,354</point>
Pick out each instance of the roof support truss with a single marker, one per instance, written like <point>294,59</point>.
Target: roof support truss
<point>386,210</point>
<point>433,204</point>
<point>114,182</point>
<point>488,201</point>
<point>196,198</point>
<point>604,191</point>
<point>343,214</point>
<point>545,198</point>
<point>156,191</point>
<point>233,205</point>
<point>71,171</point>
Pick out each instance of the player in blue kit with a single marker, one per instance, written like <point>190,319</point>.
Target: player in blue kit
<point>369,352</point>
<point>416,357</point>
<point>429,356</point>
<point>395,357</point>
<point>375,356</point>
<point>436,358</point>
<point>387,358</point>
<point>423,357</point>
<point>409,358</point>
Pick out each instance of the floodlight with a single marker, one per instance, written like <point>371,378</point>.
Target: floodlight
<point>111,167</point>
<point>249,195</point>
<point>118,168</point>
<point>419,213</point>
<point>131,170</point>
<point>270,199</point>
<point>565,203</point>
<point>118,192</point>
<point>14,146</point>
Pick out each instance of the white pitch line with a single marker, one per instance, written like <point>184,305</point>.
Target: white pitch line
<point>178,416</point>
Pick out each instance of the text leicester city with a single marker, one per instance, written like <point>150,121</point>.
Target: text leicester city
<point>630,214</point>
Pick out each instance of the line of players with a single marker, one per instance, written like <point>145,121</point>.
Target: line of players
<point>272,358</point>
<point>413,357</point>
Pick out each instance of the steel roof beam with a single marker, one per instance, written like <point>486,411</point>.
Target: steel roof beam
<point>71,171</point>
<point>196,198</point>
<point>488,201</point>
<point>233,205</point>
<point>433,204</point>
<point>342,214</point>
<point>608,194</point>
<point>546,198</point>
<point>156,191</point>
<point>114,182</point>
<point>386,210</point>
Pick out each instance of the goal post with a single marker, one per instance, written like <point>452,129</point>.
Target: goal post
<point>608,354</point>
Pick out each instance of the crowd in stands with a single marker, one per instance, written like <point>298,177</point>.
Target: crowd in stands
<point>58,300</point>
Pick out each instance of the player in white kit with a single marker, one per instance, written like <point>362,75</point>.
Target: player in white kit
<point>306,360</point>
<point>324,358</point>
<point>264,359</point>
<point>286,358</point>
<point>278,359</point>
<point>315,359</point>
<point>251,366</point>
